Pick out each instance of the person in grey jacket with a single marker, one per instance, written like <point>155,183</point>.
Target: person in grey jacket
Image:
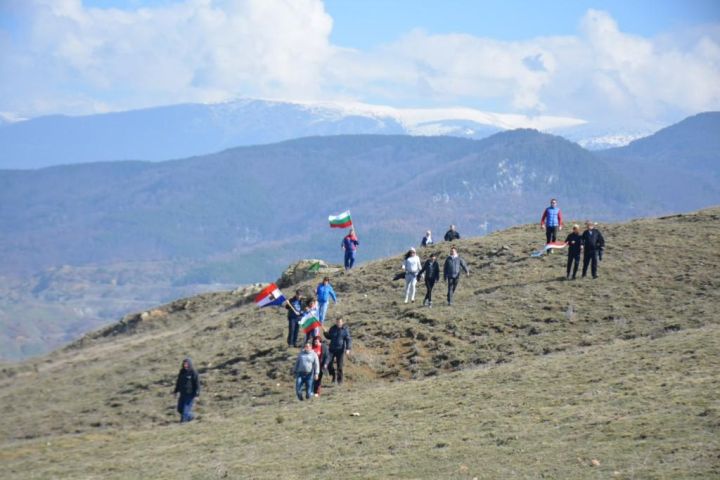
<point>451,272</point>
<point>307,369</point>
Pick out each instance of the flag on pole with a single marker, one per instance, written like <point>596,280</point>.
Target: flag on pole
<point>342,220</point>
<point>553,245</point>
<point>315,267</point>
<point>309,321</point>
<point>270,295</point>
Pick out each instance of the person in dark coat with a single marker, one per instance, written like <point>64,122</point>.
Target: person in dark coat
<point>431,272</point>
<point>451,272</point>
<point>452,234</point>
<point>294,313</point>
<point>340,344</point>
<point>187,386</point>
<point>593,245</point>
<point>574,244</point>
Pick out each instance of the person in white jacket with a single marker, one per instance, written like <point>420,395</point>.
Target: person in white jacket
<point>412,267</point>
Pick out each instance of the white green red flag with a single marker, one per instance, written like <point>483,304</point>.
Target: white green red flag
<point>552,245</point>
<point>309,321</point>
<point>270,296</point>
<point>342,220</point>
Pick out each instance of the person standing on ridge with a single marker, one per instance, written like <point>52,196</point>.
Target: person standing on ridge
<point>431,270</point>
<point>574,243</point>
<point>340,344</point>
<point>350,244</point>
<point>427,239</point>
<point>324,293</point>
<point>307,369</point>
<point>293,317</point>
<point>451,272</point>
<point>187,386</point>
<point>551,221</point>
<point>593,245</point>
<point>412,267</point>
<point>452,234</point>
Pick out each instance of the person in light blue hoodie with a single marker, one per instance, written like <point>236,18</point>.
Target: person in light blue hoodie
<point>324,293</point>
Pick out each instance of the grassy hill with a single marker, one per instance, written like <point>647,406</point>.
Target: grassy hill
<point>526,376</point>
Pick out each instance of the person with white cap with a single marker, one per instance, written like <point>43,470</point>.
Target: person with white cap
<point>412,267</point>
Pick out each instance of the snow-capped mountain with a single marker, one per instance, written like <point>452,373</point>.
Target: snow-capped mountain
<point>195,129</point>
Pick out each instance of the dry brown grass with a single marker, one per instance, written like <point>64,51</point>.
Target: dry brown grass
<point>104,399</point>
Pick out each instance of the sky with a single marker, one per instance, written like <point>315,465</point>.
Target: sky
<point>600,61</point>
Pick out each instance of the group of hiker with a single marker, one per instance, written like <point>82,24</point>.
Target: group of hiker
<point>324,350</point>
<point>590,242</point>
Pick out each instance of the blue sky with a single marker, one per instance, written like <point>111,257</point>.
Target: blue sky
<point>367,23</point>
<point>636,60</point>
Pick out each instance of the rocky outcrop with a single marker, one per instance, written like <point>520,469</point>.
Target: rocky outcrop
<point>306,269</point>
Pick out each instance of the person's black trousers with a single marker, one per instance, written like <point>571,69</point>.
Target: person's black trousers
<point>452,285</point>
<point>551,234</point>
<point>590,258</point>
<point>339,358</point>
<point>429,284</point>
<point>573,262</point>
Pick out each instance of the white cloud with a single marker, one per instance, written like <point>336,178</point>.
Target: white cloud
<point>65,57</point>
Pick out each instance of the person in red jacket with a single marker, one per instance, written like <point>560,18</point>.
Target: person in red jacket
<point>321,350</point>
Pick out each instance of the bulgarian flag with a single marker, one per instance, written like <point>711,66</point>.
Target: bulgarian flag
<point>270,295</point>
<point>342,220</point>
<point>309,321</point>
<point>552,245</point>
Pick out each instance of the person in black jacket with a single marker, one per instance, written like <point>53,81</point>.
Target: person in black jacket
<point>340,344</point>
<point>451,272</point>
<point>452,234</point>
<point>431,270</point>
<point>294,314</point>
<point>593,245</point>
<point>188,388</point>
<point>574,243</point>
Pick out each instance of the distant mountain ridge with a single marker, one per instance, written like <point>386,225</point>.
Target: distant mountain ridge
<point>179,131</point>
<point>138,233</point>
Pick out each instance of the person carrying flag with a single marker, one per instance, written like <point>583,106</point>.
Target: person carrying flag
<point>574,243</point>
<point>294,309</point>
<point>350,244</point>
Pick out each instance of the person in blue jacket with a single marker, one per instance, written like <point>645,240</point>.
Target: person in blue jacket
<point>551,222</point>
<point>324,293</point>
<point>350,244</point>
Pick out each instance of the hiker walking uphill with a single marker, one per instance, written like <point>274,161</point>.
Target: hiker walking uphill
<point>324,293</point>
<point>574,244</point>
<point>187,387</point>
<point>593,245</point>
<point>451,272</point>
<point>307,369</point>
<point>294,318</point>
<point>431,272</point>
<point>551,221</point>
<point>340,344</point>
<point>350,244</point>
<point>452,234</point>
<point>412,267</point>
